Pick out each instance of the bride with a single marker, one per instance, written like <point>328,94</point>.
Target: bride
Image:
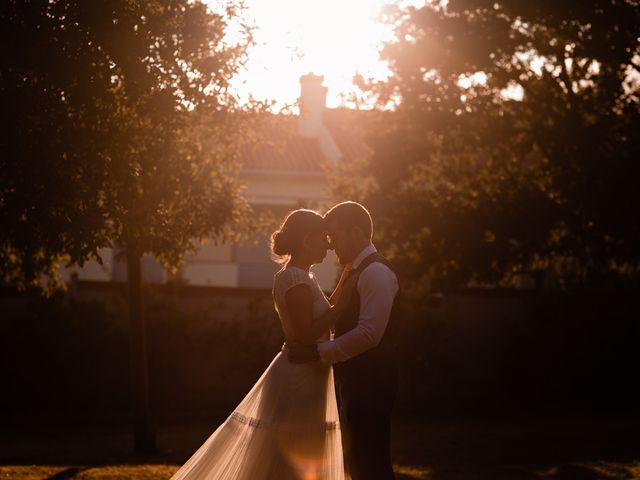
<point>286,428</point>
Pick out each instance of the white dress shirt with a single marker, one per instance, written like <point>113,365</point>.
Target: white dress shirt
<point>377,287</point>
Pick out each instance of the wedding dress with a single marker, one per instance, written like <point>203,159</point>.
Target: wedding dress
<point>287,427</point>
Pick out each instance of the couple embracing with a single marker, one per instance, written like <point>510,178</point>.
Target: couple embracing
<point>324,403</point>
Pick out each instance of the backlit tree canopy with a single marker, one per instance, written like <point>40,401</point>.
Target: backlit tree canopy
<point>514,145</point>
<point>119,127</point>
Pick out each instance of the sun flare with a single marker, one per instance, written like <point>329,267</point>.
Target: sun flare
<point>333,38</point>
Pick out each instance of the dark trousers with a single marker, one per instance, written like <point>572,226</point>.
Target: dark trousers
<point>365,421</point>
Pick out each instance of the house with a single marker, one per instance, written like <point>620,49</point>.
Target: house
<point>286,170</point>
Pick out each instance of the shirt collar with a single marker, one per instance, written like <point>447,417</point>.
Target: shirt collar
<point>368,250</point>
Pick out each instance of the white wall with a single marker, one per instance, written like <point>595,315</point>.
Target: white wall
<point>211,265</point>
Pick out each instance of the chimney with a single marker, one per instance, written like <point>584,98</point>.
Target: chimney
<point>313,98</point>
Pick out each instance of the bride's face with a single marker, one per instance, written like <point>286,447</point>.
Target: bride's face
<point>317,245</point>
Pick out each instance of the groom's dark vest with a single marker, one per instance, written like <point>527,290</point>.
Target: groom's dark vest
<point>373,363</point>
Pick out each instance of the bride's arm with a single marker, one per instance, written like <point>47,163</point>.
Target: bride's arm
<point>325,321</point>
<point>345,289</point>
<point>300,305</point>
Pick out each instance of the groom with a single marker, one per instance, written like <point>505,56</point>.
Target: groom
<point>363,351</point>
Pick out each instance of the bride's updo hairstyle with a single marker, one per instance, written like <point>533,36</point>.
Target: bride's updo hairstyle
<point>288,239</point>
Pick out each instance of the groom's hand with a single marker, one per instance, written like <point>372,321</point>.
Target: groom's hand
<point>301,353</point>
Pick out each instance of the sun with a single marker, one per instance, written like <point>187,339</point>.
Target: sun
<point>334,38</point>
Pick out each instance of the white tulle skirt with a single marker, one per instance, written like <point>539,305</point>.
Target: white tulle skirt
<point>286,428</point>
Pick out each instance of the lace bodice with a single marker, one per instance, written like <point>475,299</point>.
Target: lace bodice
<point>287,278</point>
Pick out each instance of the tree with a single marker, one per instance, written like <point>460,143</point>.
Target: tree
<point>511,146</point>
<point>124,130</point>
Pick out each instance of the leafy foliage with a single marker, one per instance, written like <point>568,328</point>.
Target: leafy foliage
<point>123,130</point>
<point>512,145</point>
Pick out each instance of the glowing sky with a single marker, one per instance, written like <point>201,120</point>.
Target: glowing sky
<point>334,38</point>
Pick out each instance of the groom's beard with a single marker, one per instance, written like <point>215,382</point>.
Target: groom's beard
<point>346,258</point>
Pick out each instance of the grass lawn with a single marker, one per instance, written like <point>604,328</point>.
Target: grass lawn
<point>541,449</point>
<point>578,471</point>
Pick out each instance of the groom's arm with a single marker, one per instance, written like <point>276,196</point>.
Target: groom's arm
<point>377,288</point>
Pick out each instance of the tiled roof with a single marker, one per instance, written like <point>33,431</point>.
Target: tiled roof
<point>348,129</point>
<point>281,149</point>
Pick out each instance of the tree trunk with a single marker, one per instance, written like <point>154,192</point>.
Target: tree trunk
<point>144,430</point>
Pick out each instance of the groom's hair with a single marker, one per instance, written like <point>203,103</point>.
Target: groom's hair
<point>351,214</point>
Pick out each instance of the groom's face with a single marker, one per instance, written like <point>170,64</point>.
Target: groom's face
<point>342,243</point>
